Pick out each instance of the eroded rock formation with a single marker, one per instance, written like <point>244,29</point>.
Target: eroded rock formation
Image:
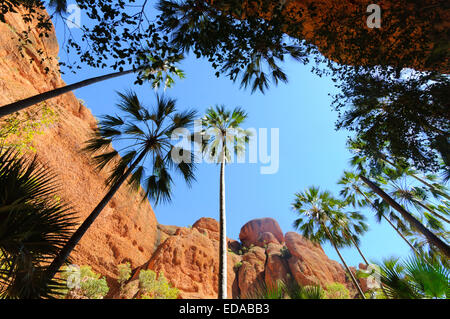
<point>189,260</point>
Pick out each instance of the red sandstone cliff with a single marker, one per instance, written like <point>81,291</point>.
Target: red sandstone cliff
<point>189,260</point>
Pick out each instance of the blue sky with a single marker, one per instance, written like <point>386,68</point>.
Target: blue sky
<point>311,151</point>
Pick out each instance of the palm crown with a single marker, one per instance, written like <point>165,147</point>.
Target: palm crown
<point>222,135</point>
<point>151,133</point>
<point>322,211</point>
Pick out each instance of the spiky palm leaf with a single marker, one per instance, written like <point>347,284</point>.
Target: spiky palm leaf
<point>316,210</point>
<point>223,135</point>
<point>34,225</point>
<point>137,131</point>
<point>415,278</point>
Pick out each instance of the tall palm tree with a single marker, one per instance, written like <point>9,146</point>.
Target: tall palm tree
<point>398,168</point>
<point>416,224</point>
<point>144,70</point>
<point>34,226</point>
<point>223,137</point>
<point>359,163</point>
<point>146,136</point>
<point>321,223</point>
<point>354,193</point>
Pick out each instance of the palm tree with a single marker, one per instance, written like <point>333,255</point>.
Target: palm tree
<point>352,227</point>
<point>400,167</point>
<point>146,71</point>
<point>359,163</point>
<point>429,180</point>
<point>34,226</point>
<point>223,137</point>
<point>354,193</point>
<point>321,222</point>
<point>416,224</point>
<point>415,278</point>
<point>415,196</point>
<point>149,134</point>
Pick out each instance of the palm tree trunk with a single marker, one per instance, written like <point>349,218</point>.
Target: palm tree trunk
<point>22,104</point>
<point>355,283</point>
<point>223,243</point>
<point>432,211</point>
<point>390,223</point>
<point>432,238</point>
<point>78,234</point>
<point>356,245</point>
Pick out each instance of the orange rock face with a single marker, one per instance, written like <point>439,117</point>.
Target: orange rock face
<point>277,268</point>
<point>251,272</point>
<point>190,261</point>
<point>126,229</point>
<point>309,265</point>
<point>257,231</point>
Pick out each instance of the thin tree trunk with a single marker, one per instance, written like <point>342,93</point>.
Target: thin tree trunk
<point>22,104</point>
<point>223,243</point>
<point>78,234</point>
<point>355,283</point>
<point>356,245</point>
<point>432,211</point>
<point>432,238</point>
<point>390,223</point>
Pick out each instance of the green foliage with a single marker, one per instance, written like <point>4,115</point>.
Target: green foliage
<point>375,294</point>
<point>124,273</point>
<point>415,278</point>
<point>288,289</point>
<point>263,291</point>
<point>33,227</point>
<point>19,129</point>
<point>250,49</point>
<point>153,286</point>
<point>237,265</point>
<point>245,249</point>
<point>285,253</point>
<point>86,283</point>
<point>336,291</point>
<point>320,217</point>
<point>405,116</point>
<point>424,196</point>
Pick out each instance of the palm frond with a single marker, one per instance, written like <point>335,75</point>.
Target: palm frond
<point>34,225</point>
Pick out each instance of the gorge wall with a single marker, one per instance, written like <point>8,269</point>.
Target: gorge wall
<point>412,34</point>
<point>127,230</point>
